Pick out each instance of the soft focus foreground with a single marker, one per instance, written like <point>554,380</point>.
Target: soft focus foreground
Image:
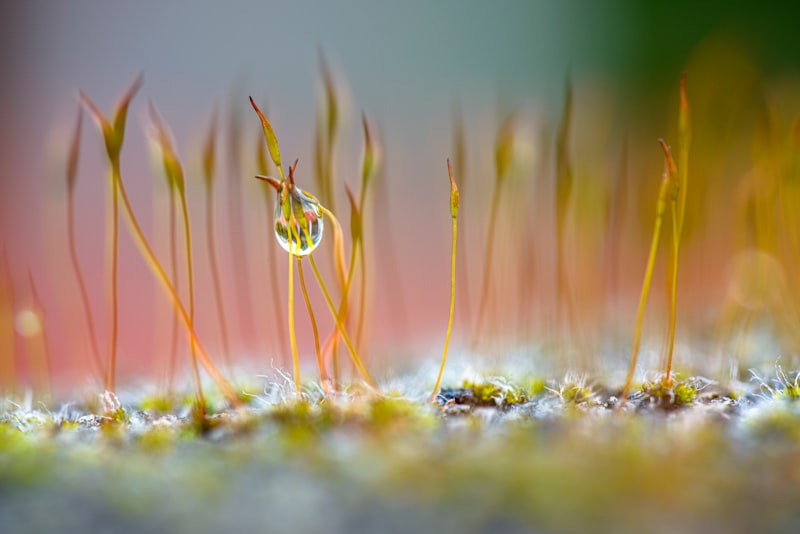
<point>161,306</point>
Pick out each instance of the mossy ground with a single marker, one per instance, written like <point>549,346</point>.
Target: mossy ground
<point>490,456</point>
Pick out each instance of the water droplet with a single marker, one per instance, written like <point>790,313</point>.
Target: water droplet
<point>305,207</point>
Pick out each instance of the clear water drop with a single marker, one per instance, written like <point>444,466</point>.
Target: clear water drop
<point>305,207</point>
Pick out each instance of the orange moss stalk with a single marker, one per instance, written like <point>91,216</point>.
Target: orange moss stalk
<point>460,165</point>
<point>272,266</point>
<point>72,176</point>
<point>113,133</point>
<point>298,211</point>
<point>173,171</point>
<point>453,214</point>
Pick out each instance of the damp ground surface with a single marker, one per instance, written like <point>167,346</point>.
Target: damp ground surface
<point>490,456</point>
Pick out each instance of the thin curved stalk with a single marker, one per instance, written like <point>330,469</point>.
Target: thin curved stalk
<point>674,290</point>
<point>292,339</point>
<point>452,306</point>
<point>173,352</point>
<point>76,269</point>
<point>200,398</point>
<point>320,366</point>
<point>660,207</point>
<point>215,278</point>
<point>353,354</point>
<point>152,262</point>
<point>112,252</point>
<point>454,201</point>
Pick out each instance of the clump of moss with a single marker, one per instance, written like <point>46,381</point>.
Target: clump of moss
<point>574,391</point>
<point>669,395</point>
<point>489,392</point>
<point>782,387</point>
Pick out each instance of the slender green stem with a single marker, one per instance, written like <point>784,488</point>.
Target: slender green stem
<point>173,351</point>
<point>353,354</point>
<point>200,400</point>
<point>320,366</point>
<point>452,306</point>
<point>673,288</point>
<point>76,268</point>
<point>343,310</point>
<point>112,245</point>
<point>646,287</point>
<point>215,278</point>
<point>292,339</point>
<point>275,289</point>
<point>362,292</point>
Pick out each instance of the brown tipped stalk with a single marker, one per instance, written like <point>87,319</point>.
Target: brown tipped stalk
<point>453,214</point>
<point>502,160</point>
<point>272,266</point>
<point>648,274</point>
<point>209,164</point>
<point>174,174</point>
<point>460,165</point>
<point>674,194</point>
<point>150,259</point>
<point>8,349</point>
<point>113,135</point>
<point>71,179</point>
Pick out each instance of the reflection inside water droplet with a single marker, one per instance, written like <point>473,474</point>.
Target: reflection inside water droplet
<point>305,208</point>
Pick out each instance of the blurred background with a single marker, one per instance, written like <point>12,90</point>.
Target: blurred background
<point>416,70</point>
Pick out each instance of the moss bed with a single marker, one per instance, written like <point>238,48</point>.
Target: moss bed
<point>489,456</point>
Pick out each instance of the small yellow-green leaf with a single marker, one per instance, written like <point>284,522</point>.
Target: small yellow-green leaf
<point>162,137</point>
<point>121,113</point>
<point>269,135</point>
<point>453,192</point>
<point>369,153</point>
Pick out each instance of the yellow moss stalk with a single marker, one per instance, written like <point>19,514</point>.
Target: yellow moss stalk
<point>453,214</point>
<point>299,211</point>
<point>261,165</point>
<point>648,274</point>
<point>174,174</point>
<point>72,176</point>
<point>113,135</point>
